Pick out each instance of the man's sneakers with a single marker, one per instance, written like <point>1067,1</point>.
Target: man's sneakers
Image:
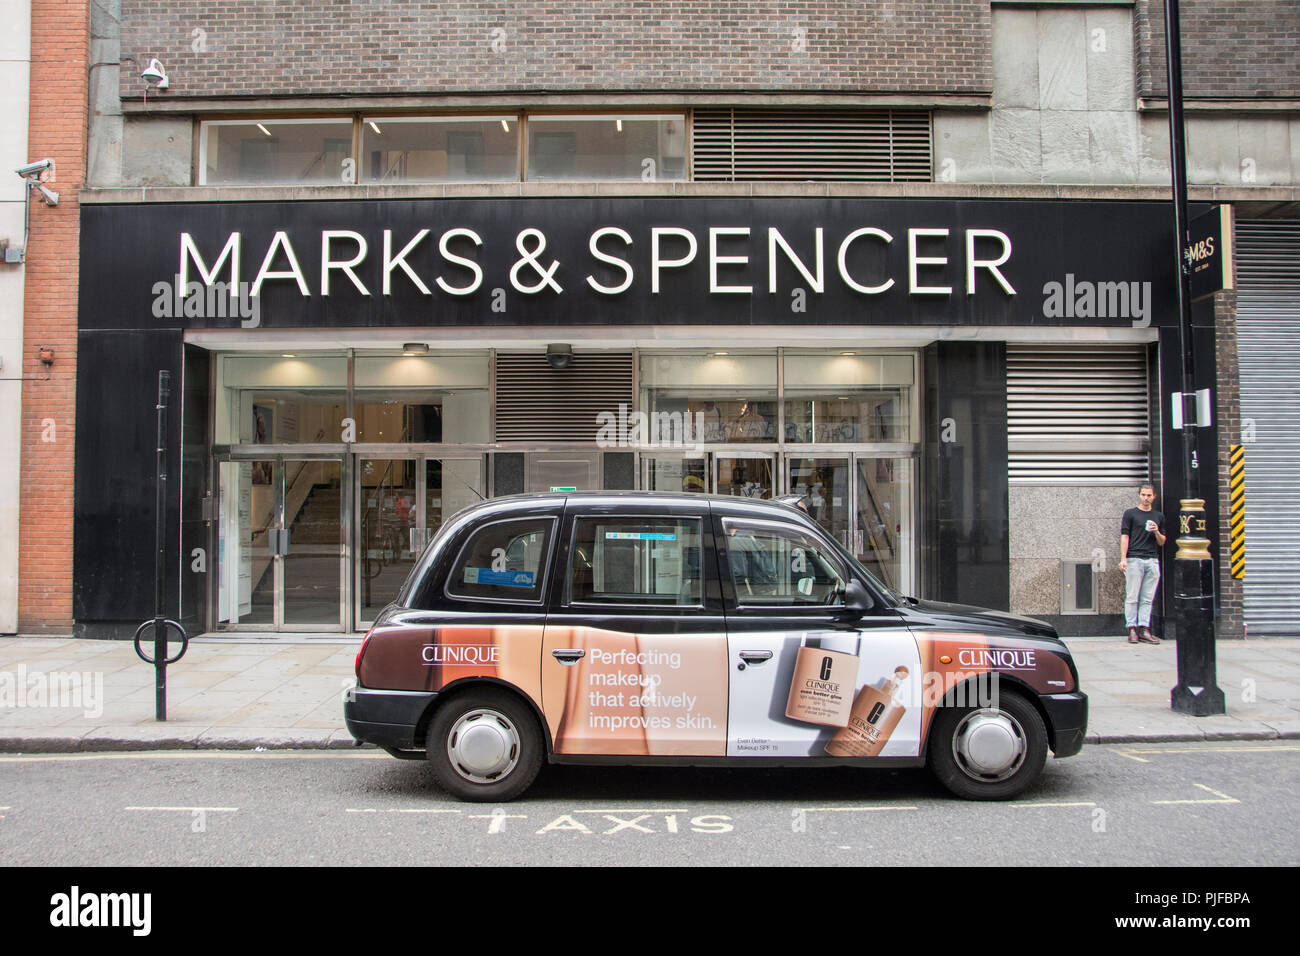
<point>1147,637</point>
<point>1133,635</point>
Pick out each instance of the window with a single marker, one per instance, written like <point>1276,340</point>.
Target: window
<point>503,561</point>
<point>586,147</point>
<point>436,149</point>
<point>781,566</point>
<point>276,151</point>
<point>636,561</point>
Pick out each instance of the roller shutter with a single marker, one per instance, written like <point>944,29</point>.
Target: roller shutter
<point>1268,349</point>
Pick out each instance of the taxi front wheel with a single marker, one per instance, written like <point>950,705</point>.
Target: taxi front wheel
<point>989,753</point>
<point>484,745</point>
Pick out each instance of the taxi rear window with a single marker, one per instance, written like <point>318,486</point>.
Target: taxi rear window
<point>503,561</point>
<point>637,561</point>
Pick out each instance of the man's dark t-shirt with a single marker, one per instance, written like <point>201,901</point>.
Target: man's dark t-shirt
<point>1141,542</point>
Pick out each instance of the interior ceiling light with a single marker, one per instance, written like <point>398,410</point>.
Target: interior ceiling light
<point>264,129</point>
<point>619,123</point>
<point>415,348</point>
<point>505,125</point>
<point>375,127</point>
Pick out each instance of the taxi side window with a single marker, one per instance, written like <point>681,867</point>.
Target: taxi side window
<point>779,566</point>
<point>637,561</point>
<point>503,561</point>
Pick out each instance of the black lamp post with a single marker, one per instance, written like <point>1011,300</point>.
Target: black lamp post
<point>1196,692</point>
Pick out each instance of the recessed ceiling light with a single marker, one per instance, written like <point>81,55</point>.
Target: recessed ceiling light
<point>264,129</point>
<point>375,127</point>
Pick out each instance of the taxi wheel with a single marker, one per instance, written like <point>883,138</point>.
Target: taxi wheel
<point>989,753</point>
<point>484,745</point>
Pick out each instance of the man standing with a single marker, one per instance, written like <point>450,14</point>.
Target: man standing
<point>1142,535</point>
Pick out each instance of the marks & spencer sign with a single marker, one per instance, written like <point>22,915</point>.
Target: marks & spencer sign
<point>591,262</point>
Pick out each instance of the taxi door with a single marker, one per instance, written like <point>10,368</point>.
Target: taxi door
<point>808,678</point>
<point>634,653</point>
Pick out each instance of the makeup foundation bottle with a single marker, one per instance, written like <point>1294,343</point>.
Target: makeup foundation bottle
<point>825,674</point>
<point>876,712</point>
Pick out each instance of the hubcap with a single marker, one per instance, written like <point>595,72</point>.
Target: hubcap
<point>989,745</point>
<point>483,745</point>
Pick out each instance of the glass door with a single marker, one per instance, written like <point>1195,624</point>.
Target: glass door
<point>391,529</point>
<point>823,483</point>
<point>744,474</point>
<point>281,544</point>
<point>675,473</point>
<point>401,502</point>
<point>883,540</point>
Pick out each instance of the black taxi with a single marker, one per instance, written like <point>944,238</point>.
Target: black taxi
<point>626,627</point>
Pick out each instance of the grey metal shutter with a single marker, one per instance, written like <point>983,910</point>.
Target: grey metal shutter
<point>1268,350</point>
<point>1077,414</point>
<point>535,402</point>
<point>831,145</point>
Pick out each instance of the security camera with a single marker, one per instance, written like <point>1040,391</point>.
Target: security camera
<point>35,169</point>
<point>154,74</point>
<point>49,195</point>
<point>559,356</point>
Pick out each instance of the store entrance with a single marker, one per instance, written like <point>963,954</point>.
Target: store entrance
<point>322,543</point>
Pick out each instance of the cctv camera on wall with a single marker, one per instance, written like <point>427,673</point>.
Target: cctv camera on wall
<point>154,74</point>
<point>35,169</point>
<point>559,356</point>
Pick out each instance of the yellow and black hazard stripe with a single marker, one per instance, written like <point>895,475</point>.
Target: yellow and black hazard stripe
<point>1237,508</point>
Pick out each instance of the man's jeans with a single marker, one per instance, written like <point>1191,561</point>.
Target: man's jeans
<point>1140,582</point>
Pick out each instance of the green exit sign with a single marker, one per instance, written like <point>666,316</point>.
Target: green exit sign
<point>564,488</point>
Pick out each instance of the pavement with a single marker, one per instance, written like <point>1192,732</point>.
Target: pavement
<point>60,694</point>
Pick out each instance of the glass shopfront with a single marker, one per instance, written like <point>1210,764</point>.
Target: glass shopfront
<point>335,469</point>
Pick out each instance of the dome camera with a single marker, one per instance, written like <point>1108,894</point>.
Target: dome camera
<point>559,356</point>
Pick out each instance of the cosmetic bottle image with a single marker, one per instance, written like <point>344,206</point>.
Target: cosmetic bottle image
<point>825,675</point>
<point>876,712</point>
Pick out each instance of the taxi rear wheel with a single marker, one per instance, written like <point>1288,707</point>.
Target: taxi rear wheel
<point>990,752</point>
<point>484,745</point>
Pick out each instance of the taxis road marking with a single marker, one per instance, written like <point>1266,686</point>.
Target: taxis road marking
<point>1223,797</point>
<point>201,755</point>
<point>849,809</point>
<point>1211,750</point>
<point>400,810</point>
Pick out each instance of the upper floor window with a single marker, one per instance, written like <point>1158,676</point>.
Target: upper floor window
<point>437,149</point>
<point>276,151</point>
<point>646,148</point>
<point>433,149</point>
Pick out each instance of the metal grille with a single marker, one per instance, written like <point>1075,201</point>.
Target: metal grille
<point>1268,352</point>
<point>1077,414</point>
<point>535,402</point>
<point>873,146</point>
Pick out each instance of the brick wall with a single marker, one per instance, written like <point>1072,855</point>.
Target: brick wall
<point>60,54</point>
<point>1239,48</point>
<point>222,48</point>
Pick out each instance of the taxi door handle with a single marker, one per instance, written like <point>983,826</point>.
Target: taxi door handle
<point>568,655</point>
<point>755,657</point>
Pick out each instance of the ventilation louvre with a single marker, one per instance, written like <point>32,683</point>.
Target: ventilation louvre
<point>535,402</point>
<point>1077,414</point>
<point>873,146</point>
